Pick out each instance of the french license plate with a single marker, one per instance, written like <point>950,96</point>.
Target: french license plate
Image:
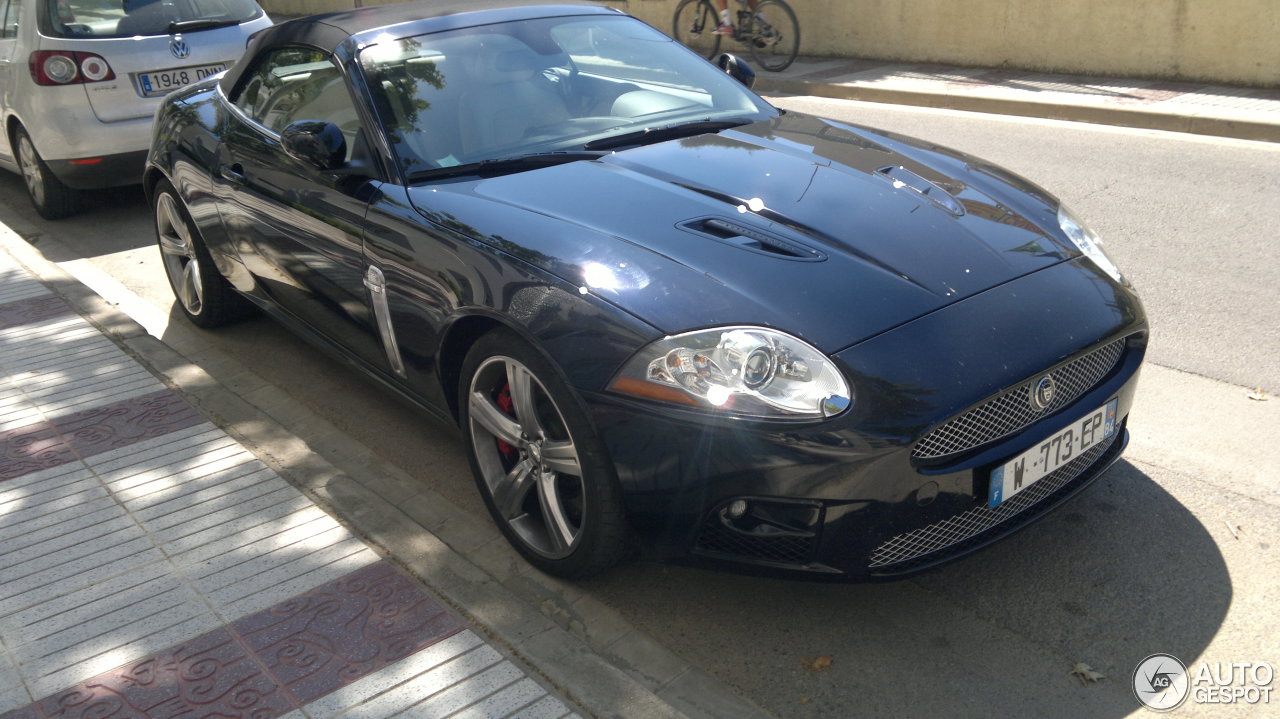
<point>1041,460</point>
<point>163,82</point>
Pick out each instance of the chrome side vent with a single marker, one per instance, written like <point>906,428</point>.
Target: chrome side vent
<point>753,239</point>
<point>902,177</point>
<point>376,283</point>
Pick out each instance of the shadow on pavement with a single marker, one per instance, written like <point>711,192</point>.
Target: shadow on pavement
<point>1121,572</point>
<point>110,216</point>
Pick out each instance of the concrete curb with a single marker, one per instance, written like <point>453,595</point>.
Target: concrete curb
<point>578,645</point>
<point>1117,116</point>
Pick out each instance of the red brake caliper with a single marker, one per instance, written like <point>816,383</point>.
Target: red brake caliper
<point>506,405</point>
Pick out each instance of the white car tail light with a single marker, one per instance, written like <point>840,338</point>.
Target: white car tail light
<point>62,67</point>
<point>94,68</point>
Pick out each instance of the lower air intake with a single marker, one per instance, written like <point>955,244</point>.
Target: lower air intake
<point>952,536</point>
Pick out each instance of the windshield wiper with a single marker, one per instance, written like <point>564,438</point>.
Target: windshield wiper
<point>665,132</point>
<point>176,27</point>
<point>504,165</point>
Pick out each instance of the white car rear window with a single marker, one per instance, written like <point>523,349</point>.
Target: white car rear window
<point>127,18</point>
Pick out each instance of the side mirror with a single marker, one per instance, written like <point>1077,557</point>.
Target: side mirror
<point>321,144</point>
<point>737,69</point>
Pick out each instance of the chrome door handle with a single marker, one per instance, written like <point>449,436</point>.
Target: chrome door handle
<point>232,173</point>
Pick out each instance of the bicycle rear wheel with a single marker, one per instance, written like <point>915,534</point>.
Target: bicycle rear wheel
<point>775,36</point>
<point>694,24</point>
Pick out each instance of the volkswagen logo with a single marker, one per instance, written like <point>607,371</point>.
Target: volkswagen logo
<point>1042,393</point>
<point>179,47</point>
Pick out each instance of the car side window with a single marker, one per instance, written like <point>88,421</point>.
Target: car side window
<point>297,83</point>
<point>11,12</point>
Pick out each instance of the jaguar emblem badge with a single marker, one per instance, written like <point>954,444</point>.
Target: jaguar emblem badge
<point>179,47</point>
<point>1042,393</point>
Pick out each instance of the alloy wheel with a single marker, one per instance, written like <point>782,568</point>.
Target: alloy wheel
<point>179,254</point>
<point>29,160</point>
<point>527,457</point>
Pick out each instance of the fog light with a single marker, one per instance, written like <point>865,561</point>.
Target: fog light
<point>737,508</point>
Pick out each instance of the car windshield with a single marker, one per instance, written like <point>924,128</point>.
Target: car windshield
<point>509,90</point>
<point>127,18</point>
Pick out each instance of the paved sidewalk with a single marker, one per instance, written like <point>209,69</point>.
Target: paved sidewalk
<point>151,566</point>
<point>1245,113</point>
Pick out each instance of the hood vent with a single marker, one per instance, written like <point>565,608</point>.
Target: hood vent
<point>752,239</point>
<point>902,177</point>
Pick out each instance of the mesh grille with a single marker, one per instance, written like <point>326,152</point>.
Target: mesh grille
<point>1011,410</point>
<point>935,537</point>
<point>788,549</point>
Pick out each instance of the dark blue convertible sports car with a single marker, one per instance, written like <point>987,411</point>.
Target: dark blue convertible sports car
<point>663,312</point>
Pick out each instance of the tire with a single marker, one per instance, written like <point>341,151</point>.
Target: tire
<point>692,25</point>
<point>775,41</point>
<point>541,469</point>
<point>203,294</point>
<point>52,199</point>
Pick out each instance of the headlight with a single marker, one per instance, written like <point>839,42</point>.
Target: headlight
<point>1087,242</point>
<point>744,371</point>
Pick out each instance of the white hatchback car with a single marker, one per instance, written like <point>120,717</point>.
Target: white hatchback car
<point>81,79</point>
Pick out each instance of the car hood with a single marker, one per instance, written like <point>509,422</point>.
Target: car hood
<point>828,231</point>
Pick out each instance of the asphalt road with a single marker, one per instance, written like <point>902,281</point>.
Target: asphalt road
<point>1193,221</point>
<point>1170,552</point>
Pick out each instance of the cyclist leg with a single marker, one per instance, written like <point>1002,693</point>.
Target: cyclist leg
<point>725,27</point>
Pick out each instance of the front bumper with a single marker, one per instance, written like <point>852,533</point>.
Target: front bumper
<point>845,498</point>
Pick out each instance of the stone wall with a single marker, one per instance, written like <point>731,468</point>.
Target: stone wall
<point>1223,41</point>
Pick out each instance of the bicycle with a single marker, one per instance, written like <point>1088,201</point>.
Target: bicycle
<point>771,31</point>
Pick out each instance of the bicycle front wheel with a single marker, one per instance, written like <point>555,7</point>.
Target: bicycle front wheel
<point>775,36</point>
<point>694,26</point>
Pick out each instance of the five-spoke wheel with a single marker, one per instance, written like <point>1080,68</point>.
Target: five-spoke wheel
<point>180,260</point>
<point>527,456</point>
<point>203,294</point>
<point>537,461</point>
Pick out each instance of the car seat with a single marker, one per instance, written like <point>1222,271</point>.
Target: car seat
<point>510,97</point>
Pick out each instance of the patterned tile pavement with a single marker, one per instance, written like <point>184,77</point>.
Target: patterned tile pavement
<point>150,566</point>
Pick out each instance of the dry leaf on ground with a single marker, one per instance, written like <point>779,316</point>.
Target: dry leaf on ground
<point>817,664</point>
<point>1085,674</point>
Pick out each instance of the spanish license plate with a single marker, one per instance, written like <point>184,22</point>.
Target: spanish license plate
<point>163,82</point>
<point>1041,460</point>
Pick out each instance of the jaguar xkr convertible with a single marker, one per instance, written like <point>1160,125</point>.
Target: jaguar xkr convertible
<point>664,313</point>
